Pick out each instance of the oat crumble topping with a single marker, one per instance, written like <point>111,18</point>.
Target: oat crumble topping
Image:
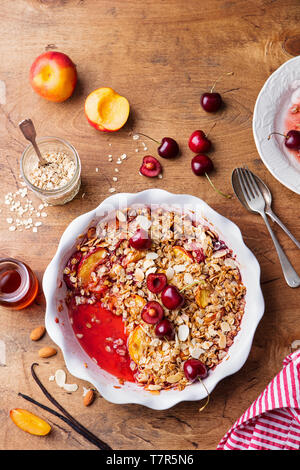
<point>193,258</point>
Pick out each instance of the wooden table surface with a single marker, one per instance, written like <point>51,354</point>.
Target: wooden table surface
<point>161,55</point>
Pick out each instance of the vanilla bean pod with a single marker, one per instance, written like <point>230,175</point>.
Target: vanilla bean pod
<point>79,427</point>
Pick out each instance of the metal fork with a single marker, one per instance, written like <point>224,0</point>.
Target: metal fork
<point>257,203</point>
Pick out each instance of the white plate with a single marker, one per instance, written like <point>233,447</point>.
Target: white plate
<point>270,110</point>
<point>75,357</point>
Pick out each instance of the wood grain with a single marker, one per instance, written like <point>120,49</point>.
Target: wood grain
<point>161,55</point>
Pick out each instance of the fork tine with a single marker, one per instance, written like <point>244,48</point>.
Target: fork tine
<point>253,180</point>
<point>243,184</point>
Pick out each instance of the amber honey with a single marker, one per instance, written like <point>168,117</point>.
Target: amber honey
<point>18,284</point>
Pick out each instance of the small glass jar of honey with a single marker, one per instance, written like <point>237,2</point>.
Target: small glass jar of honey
<point>18,284</point>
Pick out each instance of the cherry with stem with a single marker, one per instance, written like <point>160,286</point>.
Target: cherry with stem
<point>212,101</point>
<point>292,139</point>
<point>168,147</point>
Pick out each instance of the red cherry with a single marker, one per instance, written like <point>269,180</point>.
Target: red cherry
<point>150,167</point>
<point>292,139</point>
<point>194,369</point>
<point>156,282</point>
<point>201,164</point>
<point>171,297</point>
<point>198,142</point>
<point>140,240</point>
<point>152,312</point>
<point>168,147</point>
<point>165,329</point>
<point>211,102</point>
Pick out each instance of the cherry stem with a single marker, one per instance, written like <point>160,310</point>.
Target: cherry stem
<point>276,133</point>
<point>208,396</point>
<point>221,76</point>
<point>144,135</point>
<point>228,196</point>
<point>212,127</point>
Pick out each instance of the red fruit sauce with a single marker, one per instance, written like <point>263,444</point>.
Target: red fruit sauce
<point>104,338</point>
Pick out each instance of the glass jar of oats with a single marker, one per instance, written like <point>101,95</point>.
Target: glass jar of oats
<point>57,182</point>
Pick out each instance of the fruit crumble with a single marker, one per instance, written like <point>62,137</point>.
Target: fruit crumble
<point>154,296</point>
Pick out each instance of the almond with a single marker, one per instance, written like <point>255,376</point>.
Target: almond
<point>37,333</point>
<point>89,398</point>
<point>47,351</point>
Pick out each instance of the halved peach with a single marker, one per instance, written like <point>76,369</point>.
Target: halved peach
<point>106,110</point>
<point>89,264</point>
<point>180,252</point>
<point>136,344</point>
<point>29,422</point>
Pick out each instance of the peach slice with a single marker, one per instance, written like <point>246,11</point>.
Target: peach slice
<point>180,252</point>
<point>89,264</point>
<point>136,342</point>
<point>135,303</point>
<point>202,297</point>
<point>29,422</point>
<point>106,110</point>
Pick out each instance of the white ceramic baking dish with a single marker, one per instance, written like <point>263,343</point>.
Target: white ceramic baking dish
<point>76,358</point>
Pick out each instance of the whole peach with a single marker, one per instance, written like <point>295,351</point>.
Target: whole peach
<point>53,76</point>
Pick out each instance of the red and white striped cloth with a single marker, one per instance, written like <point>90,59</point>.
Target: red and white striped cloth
<point>272,422</point>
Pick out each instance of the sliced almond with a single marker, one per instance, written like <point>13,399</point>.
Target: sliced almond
<point>183,332</point>
<point>47,351</point>
<point>37,333</point>
<point>172,379</point>
<point>89,398</point>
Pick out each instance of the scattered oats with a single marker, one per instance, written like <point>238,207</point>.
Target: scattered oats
<point>79,335</point>
<point>9,220</point>
<point>97,169</point>
<point>116,170</point>
<point>44,214</point>
<point>160,176</point>
<point>34,229</point>
<point>135,137</point>
<point>115,179</point>
<point>123,156</point>
<point>70,387</point>
<point>136,150</point>
<point>112,190</point>
<point>38,224</point>
<point>12,228</point>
